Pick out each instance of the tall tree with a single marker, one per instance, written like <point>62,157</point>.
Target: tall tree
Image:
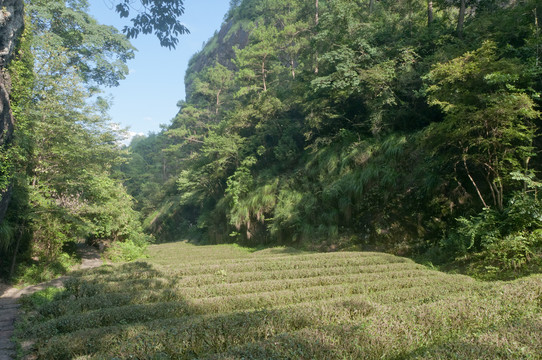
<point>461,17</point>
<point>316,22</point>
<point>64,145</point>
<point>489,119</point>
<point>429,12</point>
<point>160,17</point>
<point>256,61</point>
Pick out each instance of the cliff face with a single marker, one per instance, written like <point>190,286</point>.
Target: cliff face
<point>220,48</point>
<point>11,25</point>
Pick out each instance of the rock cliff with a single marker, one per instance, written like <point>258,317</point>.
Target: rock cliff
<point>219,48</point>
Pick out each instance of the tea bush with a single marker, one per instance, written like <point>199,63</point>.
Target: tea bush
<point>237,304</point>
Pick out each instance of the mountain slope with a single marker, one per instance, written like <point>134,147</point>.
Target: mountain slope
<point>343,125</point>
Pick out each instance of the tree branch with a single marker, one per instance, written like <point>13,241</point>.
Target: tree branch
<point>473,182</point>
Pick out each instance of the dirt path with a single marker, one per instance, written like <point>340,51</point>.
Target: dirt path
<point>9,300</point>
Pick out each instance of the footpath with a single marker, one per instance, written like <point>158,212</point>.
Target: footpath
<point>9,301</point>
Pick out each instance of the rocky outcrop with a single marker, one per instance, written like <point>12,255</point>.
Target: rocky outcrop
<point>219,48</point>
<point>11,26</point>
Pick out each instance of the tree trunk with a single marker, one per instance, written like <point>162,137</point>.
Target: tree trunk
<point>500,193</point>
<point>11,26</point>
<point>461,19</point>
<point>264,76</point>
<point>537,36</point>
<point>217,101</point>
<point>316,20</point>
<point>316,14</point>
<point>492,189</point>
<point>371,6</point>
<point>473,182</point>
<point>429,12</point>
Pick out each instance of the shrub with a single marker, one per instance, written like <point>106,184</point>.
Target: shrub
<point>515,250</point>
<point>41,298</point>
<point>126,251</point>
<point>45,271</point>
<point>500,240</point>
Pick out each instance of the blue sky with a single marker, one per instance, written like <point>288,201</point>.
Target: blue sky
<point>148,96</point>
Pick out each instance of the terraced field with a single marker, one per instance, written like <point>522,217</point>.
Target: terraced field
<point>225,302</point>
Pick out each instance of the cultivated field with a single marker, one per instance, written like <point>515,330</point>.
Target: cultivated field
<point>225,302</point>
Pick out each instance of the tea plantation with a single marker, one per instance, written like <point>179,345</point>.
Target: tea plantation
<point>226,302</point>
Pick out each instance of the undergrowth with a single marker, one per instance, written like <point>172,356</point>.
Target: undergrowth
<point>38,272</point>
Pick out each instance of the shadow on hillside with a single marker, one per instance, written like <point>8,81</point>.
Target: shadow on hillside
<point>247,245</point>
<point>126,278</point>
<point>474,266</point>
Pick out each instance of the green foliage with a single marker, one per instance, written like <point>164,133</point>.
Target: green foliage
<point>97,52</point>
<point>241,181</point>
<point>7,237</point>
<point>45,270</point>
<point>474,233</point>
<point>507,240</point>
<point>489,120</point>
<point>72,194</point>
<point>159,17</point>
<point>515,251</point>
<point>64,146</point>
<point>354,124</point>
<point>22,77</point>
<point>109,214</point>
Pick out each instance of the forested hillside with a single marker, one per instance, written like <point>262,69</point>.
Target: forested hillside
<point>405,126</point>
<point>408,126</point>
